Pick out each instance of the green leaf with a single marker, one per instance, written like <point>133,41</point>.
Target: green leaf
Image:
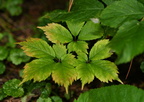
<point>17,56</point>
<point>3,52</point>
<point>100,50</point>
<point>129,41</point>
<point>69,59</point>
<point>40,99</point>
<point>105,70</point>
<point>85,73</point>
<point>38,48</point>
<point>117,93</point>
<point>46,91</point>
<point>141,1</point>
<point>90,31</point>
<point>38,69</point>
<point>57,33</point>
<point>82,10</point>
<point>60,50</point>
<point>108,2</point>
<point>12,88</point>
<point>11,40</point>
<point>26,97</point>
<point>2,68</point>
<point>64,74</point>
<point>56,99</point>
<point>75,27</point>
<point>121,11</point>
<point>78,46</point>
<point>2,94</point>
<point>14,7</point>
<point>82,57</point>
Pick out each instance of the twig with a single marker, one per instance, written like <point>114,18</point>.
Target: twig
<point>129,69</point>
<point>70,5</point>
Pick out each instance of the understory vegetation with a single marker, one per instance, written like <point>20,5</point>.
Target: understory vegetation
<point>92,49</point>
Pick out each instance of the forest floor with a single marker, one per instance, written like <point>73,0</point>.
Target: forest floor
<point>25,26</point>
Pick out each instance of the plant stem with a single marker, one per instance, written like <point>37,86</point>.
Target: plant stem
<point>129,69</point>
<point>70,5</point>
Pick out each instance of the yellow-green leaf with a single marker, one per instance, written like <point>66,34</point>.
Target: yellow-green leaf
<point>85,74</point>
<point>69,59</point>
<point>38,48</point>
<point>60,50</point>
<point>57,33</point>
<point>105,70</point>
<point>38,70</point>
<point>100,50</point>
<point>78,46</point>
<point>64,74</point>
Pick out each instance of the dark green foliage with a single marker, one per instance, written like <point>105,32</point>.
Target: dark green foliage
<point>2,68</point>
<point>118,93</point>
<point>12,6</point>
<point>12,88</point>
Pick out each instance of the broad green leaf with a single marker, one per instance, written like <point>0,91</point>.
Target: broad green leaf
<point>82,10</point>
<point>85,74</point>
<point>17,56</point>
<point>100,50</point>
<point>91,31</point>
<point>2,68</point>
<point>121,11</point>
<point>3,52</point>
<point>38,69</point>
<point>12,88</point>
<point>57,33</point>
<point>74,27</point>
<point>64,74</point>
<point>60,50</point>
<point>105,70</point>
<point>129,41</point>
<point>38,48</point>
<point>108,2</point>
<point>78,46</point>
<point>116,93</point>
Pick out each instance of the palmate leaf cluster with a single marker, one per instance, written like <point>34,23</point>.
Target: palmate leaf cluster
<point>58,60</point>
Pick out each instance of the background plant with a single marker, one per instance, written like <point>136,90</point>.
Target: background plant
<point>13,7</point>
